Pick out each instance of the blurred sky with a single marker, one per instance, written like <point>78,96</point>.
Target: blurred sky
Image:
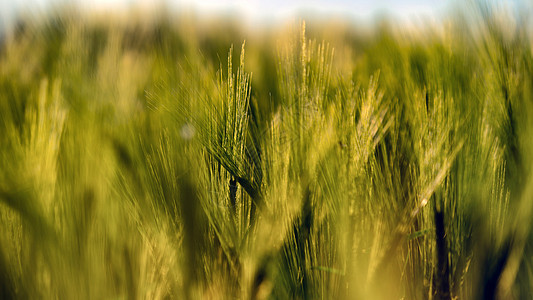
<point>253,10</point>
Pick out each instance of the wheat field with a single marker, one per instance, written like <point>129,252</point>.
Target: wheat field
<point>167,158</point>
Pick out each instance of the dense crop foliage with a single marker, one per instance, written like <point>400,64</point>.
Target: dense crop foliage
<point>168,159</point>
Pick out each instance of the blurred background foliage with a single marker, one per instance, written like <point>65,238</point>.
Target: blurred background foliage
<point>160,156</point>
